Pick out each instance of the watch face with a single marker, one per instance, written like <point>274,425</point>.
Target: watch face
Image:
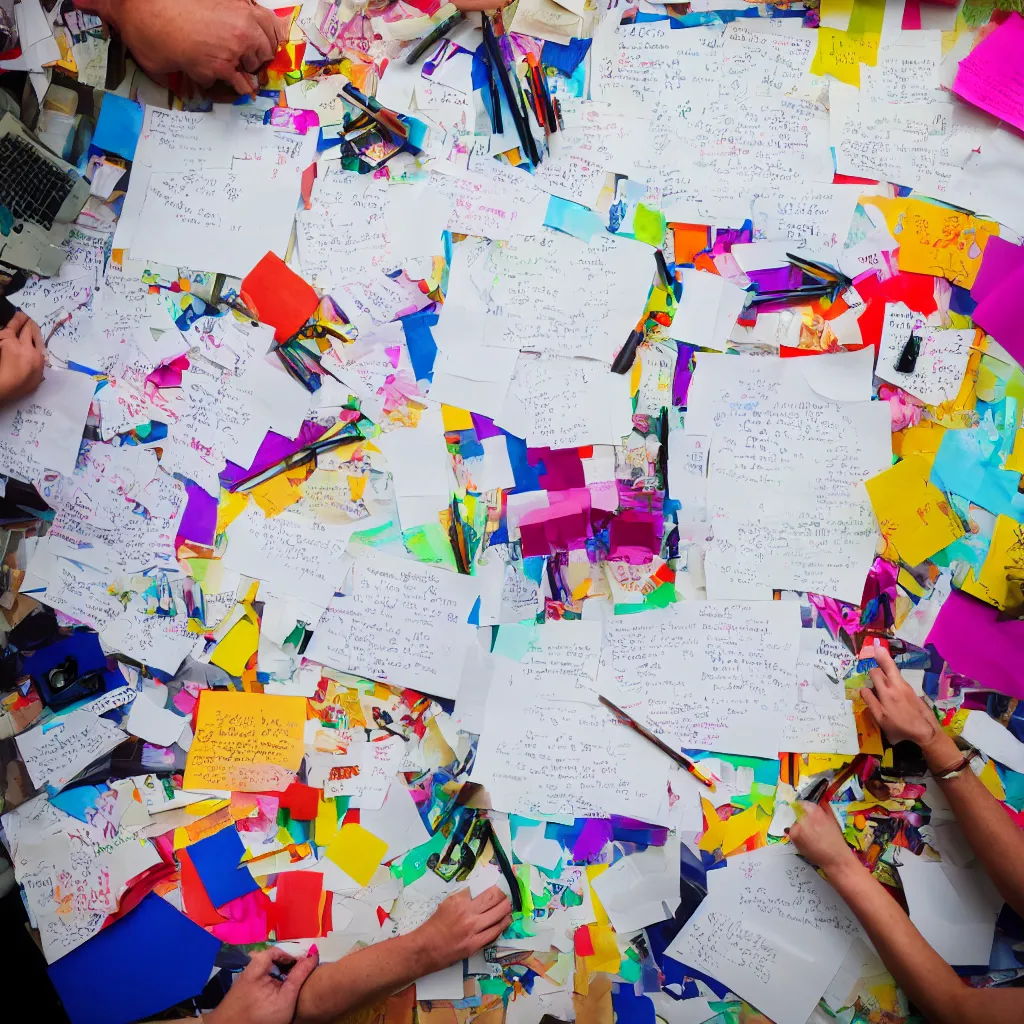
<point>63,675</point>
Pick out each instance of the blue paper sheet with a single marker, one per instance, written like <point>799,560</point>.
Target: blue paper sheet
<point>216,860</point>
<point>119,126</point>
<point>151,959</point>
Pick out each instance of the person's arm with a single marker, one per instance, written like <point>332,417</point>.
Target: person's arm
<point>929,982</point>
<point>208,40</point>
<point>460,927</point>
<point>258,997</point>
<point>995,839</point>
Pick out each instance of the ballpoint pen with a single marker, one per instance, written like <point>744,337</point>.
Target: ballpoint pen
<point>680,759</point>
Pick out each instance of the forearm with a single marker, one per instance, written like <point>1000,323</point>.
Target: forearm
<point>995,839</point>
<point>364,976</point>
<point>106,10</point>
<point>926,978</point>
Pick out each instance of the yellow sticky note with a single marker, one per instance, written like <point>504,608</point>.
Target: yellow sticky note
<point>714,836</point>
<point>279,492</point>
<point>600,914</point>
<point>934,239</point>
<point>924,439</point>
<point>239,732</point>
<point>606,950</point>
<point>234,650</point>
<point>326,825</point>
<point>840,53</point>
<point>454,418</point>
<point>817,763</point>
<point>912,512</point>
<point>357,851</point>
<point>1005,554</point>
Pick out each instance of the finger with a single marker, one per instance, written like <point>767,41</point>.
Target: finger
<point>26,336</point>
<point>492,934</point>
<point>489,918</point>
<point>243,84</point>
<point>259,963</point>
<point>878,680</point>
<point>37,335</point>
<point>888,665</point>
<point>251,62</point>
<point>873,705</point>
<point>15,324</point>
<point>203,77</point>
<point>299,973</point>
<point>284,28</point>
<point>270,27</point>
<point>489,898</point>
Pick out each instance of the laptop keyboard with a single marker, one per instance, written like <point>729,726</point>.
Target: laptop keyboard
<point>31,187</point>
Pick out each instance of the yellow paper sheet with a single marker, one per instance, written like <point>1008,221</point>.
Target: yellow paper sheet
<point>606,950</point>
<point>741,827</point>
<point>1005,553</point>
<point>240,731</point>
<point>357,851</point>
<point>841,53</point>
<point>326,825</point>
<point>234,651</point>
<point>934,239</point>
<point>455,418</point>
<point>600,914</point>
<point>913,514</point>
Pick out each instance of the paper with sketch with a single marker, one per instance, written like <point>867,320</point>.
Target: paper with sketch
<point>560,658</point>
<point>955,909</point>
<point>56,751</point>
<point>773,931</point>
<point>159,641</point>
<point>502,204</point>
<point>814,218</point>
<point>524,295</point>
<point>218,219</point>
<point>399,622</point>
<point>44,430</point>
<point>783,515</point>
<point>823,665</point>
<point>906,70</point>
<point>562,403</point>
<point>716,675</point>
<point>539,757</point>
<point>941,361</point>
<point>920,145</point>
<point>292,554</point>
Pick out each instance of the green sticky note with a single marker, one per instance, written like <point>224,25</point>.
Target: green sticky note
<point>649,225</point>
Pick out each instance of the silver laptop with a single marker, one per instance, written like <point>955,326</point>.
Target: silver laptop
<point>40,196</point>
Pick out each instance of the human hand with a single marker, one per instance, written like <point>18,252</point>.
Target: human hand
<point>462,925</point>
<point>22,358</point>
<point>899,712</point>
<point>817,837</point>
<point>258,998</point>
<point>208,40</point>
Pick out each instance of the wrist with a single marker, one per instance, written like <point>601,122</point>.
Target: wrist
<point>940,752</point>
<point>843,866</point>
<point>424,950</point>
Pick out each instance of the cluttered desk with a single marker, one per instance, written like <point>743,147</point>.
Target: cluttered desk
<point>513,516</point>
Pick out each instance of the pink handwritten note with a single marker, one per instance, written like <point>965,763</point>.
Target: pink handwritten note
<point>991,76</point>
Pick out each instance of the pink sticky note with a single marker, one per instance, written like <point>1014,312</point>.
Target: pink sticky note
<point>999,313</point>
<point>991,76</point>
<point>1000,259</point>
<point>968,635</point>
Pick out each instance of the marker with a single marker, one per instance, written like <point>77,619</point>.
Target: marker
<point>680,759</point>
<point>432,37</point>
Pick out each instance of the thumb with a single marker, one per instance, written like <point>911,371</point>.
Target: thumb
<point>297,976</point>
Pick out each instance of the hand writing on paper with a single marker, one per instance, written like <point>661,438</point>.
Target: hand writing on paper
<point>817,837</point>
<point>208,40</point>
<point>22,358</point>
<point>463,925</point>
<point>894,705</point>
<point>257,997</point>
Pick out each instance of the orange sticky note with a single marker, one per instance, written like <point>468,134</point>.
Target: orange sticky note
<point>236,732</point>
<point>357,851</point>
<point>278,296</point>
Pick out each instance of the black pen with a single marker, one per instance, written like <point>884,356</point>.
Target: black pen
<point>526,140</point>
<point>432,37</point>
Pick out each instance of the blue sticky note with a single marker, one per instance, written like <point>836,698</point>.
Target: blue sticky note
<point>216,860</point>
<point>573,219</point>
<point>969,465</point>
<point>149,960</point>
<point>119,126</point>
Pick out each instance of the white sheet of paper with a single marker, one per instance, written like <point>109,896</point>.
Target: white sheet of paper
<point>443,984</point>
<point>402,622</point>
<point>397,821</point>
<point>560,658</point>
<point>153,724</point>
<point>540,758</point>
<point>216,220</point>
<point>160,641</point>
<point>44,429</point>
<point>641,889</point>
<point>988,182</point>
<point>708,310</point>
<point>992,738</point>
<point>941,362</point>
<point>955,909</point>
<point>687,672</point>
<point>55,752</point>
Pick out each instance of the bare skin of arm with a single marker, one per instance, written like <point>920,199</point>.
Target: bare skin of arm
<point>995,839</point>
<point>460,927</point>
<point>927,979</point>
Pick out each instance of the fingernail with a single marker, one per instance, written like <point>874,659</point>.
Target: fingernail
<point>313,951</point>
<point>786,830</point>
